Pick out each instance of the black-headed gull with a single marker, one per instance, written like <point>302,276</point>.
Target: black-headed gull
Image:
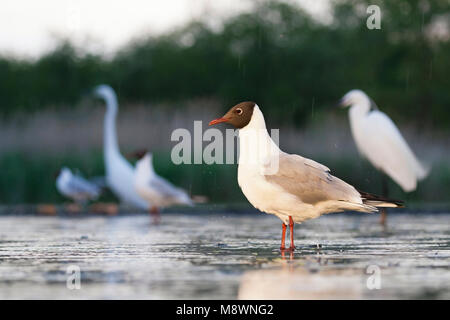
<point>75,187</point>
<point>379,140</point>
<point>289,186</point>
<point>159,192</point>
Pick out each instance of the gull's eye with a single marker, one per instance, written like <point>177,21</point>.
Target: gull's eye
<point>239,111</point>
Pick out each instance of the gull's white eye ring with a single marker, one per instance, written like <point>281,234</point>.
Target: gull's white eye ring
<point>239,111</point>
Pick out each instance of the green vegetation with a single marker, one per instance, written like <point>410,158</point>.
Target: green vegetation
<point>31,179</point>
<point>277,55</point>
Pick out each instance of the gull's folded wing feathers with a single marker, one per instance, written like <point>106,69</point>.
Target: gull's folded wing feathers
<point>310,181</point>
<point>313,164</point>
<point>165,187</point>
<point>80,185</point>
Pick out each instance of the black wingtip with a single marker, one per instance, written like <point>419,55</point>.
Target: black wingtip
<point>374,197</point>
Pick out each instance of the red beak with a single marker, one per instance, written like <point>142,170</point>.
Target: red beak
<point>218,120</point>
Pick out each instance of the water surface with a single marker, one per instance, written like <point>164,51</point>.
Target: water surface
<point>204,256</point>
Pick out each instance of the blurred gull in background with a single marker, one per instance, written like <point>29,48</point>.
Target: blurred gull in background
<point>119,172</point>
<point>76,187</point>
<point>379,140</point>
<point>158,191</point>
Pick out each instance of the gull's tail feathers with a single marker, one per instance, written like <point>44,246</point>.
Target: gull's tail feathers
<point>351,206</point>
<point>422,170</point>
<point>379,201</point>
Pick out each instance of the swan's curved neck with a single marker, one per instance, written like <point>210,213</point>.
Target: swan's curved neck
<point>110,144</point>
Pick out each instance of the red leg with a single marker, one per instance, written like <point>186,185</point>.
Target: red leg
<point>283,237</point>
<point>291,254</point>
<point>291,231</point>
<point>383,217</point>
<point>154,211</point>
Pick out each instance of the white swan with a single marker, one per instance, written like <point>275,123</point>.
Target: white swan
<point>119,172</point>
<point>158,191</point>
<point>76,187</point>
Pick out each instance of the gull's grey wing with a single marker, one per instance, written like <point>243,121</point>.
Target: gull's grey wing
<point>165,187</point>
<point>311,181</point>
<point>99,181</point>
<point>80,185</point>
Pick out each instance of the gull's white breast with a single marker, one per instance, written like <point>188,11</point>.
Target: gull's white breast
<point>271,198</point>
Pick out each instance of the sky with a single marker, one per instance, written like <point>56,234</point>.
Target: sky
<point>30,28</point>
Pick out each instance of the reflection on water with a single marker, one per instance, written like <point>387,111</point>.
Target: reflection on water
<point>200,256</point>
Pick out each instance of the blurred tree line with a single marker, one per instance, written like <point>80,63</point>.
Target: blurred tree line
<point>277,55</point>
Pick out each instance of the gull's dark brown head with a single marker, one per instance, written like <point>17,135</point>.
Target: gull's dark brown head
<point>138,154</point>
<point>238,116</point>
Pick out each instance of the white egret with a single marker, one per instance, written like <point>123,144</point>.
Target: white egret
<point>158,191</point>
<point>76,187</point>
<point>379,140</point>
<point>119,172</point>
